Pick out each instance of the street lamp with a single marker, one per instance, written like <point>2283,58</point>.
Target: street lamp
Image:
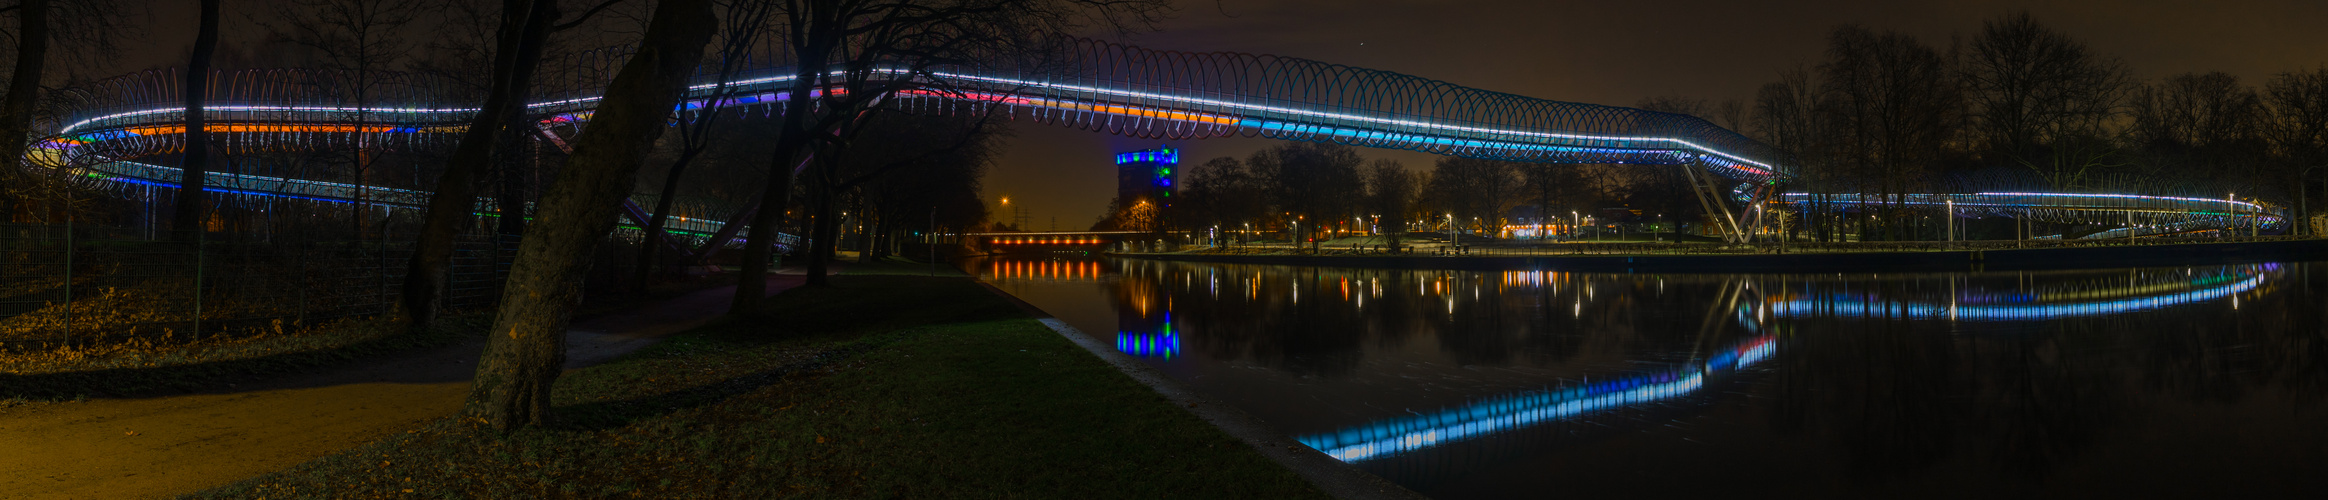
<point>1453,238</point>
<point>1576,221</point>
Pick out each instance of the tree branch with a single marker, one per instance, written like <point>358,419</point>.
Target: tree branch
<point>585,16</point>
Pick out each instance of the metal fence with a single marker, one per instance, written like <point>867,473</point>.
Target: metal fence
<point>62,284</point>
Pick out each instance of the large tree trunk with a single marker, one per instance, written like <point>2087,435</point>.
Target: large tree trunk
<point>521,154</point>
<point>759,246</point>
<point>651,236</point>
<point>823,238</point>
<point>524,26</point>
<point>792,144</point>
<point>23,89</point>
<point>186,217</point>
<point>527,346</point>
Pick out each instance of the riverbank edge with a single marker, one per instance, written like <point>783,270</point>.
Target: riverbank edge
<point>1335,477</point>
<point>1941,261</point>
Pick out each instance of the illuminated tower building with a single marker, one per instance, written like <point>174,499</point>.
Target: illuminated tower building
<point>1147,175</point>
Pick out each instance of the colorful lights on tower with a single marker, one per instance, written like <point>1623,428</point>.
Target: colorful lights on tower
<point>1147,175</point>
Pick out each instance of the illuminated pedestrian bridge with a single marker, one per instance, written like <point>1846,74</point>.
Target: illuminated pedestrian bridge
<point>108,135</point>
<point>1101,87</point>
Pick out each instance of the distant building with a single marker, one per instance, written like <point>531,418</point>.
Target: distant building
<point>1147,175</point>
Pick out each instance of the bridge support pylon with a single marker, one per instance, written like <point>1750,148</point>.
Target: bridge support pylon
<point>1704,184</point>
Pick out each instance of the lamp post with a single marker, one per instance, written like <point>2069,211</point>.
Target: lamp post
<point>1575,222</point>
<point>1453,238</point>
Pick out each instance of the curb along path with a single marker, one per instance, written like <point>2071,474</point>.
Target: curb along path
<point>1330,475</point>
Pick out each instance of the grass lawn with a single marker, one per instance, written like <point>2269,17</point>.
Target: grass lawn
<point>882,386</point>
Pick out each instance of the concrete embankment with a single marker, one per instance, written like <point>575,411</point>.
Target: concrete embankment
<point>1967,260</point>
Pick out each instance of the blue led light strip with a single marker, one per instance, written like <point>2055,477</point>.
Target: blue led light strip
<point>1148,93</point>
<point>1848,308</point>
<point>2179,211</point>
<point>1389,437</point>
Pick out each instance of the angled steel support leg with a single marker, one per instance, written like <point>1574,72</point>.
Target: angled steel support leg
<point>1757,208</point>
<point>1712,203</point>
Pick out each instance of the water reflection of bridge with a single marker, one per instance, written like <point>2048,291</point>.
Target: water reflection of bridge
<point>1793,300</point>
<point>1431,376</point>
<point>1752,319</point>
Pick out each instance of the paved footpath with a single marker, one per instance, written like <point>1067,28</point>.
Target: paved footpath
<point>159,447</point>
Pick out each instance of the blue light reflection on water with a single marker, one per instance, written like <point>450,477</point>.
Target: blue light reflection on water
<point>2032,312</point>
<point>1387,437</point>
<point>1162,344</point>
<point>1461,384</point>
<point>1398,435</point>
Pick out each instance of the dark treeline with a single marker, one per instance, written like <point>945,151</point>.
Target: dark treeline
<point>2020,106</point>
<point>2016,106</point>
<point>1312,192</point>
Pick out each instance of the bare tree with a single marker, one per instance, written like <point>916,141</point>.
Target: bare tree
<point>1897,101</point>
<point>356,40</point>
<point>191,202</point>
<point>2202,128</point>
<point>1222,192</point>
<point>844,169</point>
<point>1390,197</point>
<point>1475,192</point>
<point>50,42</point>
<point>1315,183</point>
<point>1551,187</point>
<point>527,344</point>
<point>742,26</point>
<point>2299,126</point>
<point>1674,104</point>
<point>2042,100</point>
<point>1732,114</point>
<point>525,25</point>
<point>1789,115</point>
<point>904,168</point>
<point>32,40</point>
<point>857,38</point>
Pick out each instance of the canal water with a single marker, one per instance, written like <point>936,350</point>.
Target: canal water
<point>2184,381</point>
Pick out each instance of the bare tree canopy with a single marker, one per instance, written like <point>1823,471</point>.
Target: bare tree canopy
<point>1391,193</point>
<point>1475,192</point>
<point>2030,86</point>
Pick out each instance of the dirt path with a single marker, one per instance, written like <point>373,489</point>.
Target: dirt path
<point>163,446</point>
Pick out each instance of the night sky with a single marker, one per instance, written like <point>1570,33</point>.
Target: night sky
<point>1595,52</point>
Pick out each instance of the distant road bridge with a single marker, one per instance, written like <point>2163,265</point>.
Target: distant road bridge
<point>1009,241</point>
